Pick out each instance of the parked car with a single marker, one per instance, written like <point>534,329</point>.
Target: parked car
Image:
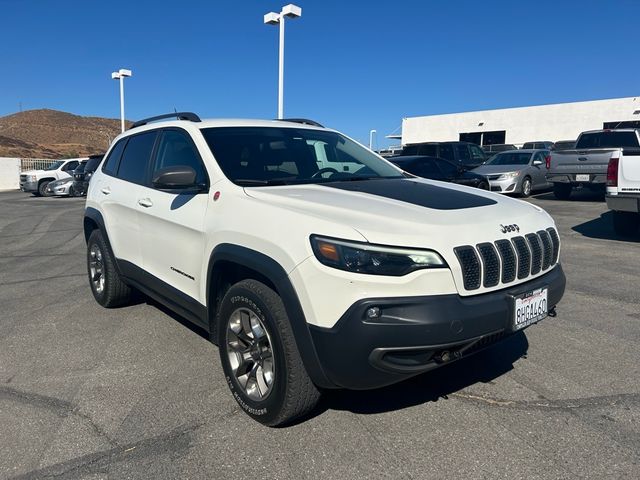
<point>517,171</point>
<point>539,145</point>
<point>36,181</point>
<point>562,145</point>
<point>308,278</point>
<point>468,155</point>
<point>439,169</point>
<point>586,165</point>
<point>82,175</point>
<point>623,191</point>
<point>60,188</point>
<point>491,150</point>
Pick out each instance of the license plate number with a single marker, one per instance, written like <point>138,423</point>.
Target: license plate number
<point>530,308</point>
<point>582,178</point>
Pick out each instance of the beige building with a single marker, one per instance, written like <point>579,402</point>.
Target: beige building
<point>562,121</point>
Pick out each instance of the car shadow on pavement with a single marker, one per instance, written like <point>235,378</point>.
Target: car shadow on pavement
<point>578,195</point>
<point>484,366</point>
<point>602,228</point>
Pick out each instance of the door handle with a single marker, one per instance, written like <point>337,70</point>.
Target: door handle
<point>145,202</point>
<point>106,190</point>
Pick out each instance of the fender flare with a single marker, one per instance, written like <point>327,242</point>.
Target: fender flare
<point>272,270</point>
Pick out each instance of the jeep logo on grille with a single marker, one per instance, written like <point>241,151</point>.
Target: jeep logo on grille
<point>509,228</point>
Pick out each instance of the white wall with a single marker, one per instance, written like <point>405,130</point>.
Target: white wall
<point>9,173</point>
<point>563,121</point>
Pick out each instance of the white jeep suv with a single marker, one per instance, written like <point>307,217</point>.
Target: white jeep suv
<point>313,262</point>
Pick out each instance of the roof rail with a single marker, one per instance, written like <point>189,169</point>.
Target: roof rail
<point>192,117</point>
<point>304,121</point>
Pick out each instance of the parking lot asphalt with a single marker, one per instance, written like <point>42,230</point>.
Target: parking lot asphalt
<point>136,392</point>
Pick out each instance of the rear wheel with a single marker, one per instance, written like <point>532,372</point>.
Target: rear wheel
<point>626,223</point>
<point>562,191</point>
<point>106,285</point>
<point>259,355</point>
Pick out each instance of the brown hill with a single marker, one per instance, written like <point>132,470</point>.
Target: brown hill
<point>54,134</point>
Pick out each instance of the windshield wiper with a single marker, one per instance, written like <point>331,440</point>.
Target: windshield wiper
<point>254,182</point>
<point>358,178</point>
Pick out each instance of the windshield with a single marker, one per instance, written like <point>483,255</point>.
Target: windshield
<point>510,158</point>
<point>55,165</point>
<point>251,156</point>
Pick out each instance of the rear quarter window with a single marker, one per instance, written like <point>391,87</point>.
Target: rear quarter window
<point>111,163</point>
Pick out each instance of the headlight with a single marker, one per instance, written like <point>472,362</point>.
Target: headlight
<point>505,176</point>
<point>373,259</point>
<point>32,178</point>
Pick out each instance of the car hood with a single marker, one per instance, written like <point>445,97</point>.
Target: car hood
<point>408,212</point>
<point>493,169</point>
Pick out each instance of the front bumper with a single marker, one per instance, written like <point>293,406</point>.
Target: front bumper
<point>509,185</point>
<point>624,203</point>
<point>417,334</point>
<point>60,191</point>
<point>29,186</point>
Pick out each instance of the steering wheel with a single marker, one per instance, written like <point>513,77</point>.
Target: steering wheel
<point>324,170</point>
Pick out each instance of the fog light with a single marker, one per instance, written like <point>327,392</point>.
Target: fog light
<point>373,312</point>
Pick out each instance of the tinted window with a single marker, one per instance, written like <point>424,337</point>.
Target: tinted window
<point>272,155</point>
<point>611,139</point>
<point>135,158</point>
<point>463,153</point>
<point>69,167</point>
<point>111,165</point>
<point>80,168</point>
<point>175,148</point>
<point>477,154</point>
<point>446,151</point>
<point>92,164</point>
<point>430,150</point>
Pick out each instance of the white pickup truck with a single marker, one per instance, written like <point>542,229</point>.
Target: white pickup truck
<point>36,181</point>
<point>623,191</point>
<point>586,165</point>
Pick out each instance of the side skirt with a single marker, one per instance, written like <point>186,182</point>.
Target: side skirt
<point>164,293</point>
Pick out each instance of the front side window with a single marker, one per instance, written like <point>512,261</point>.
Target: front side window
<point>276,156</point>
<point>135,158</point>
<point>175,149</point>
<point>477,154</point>
<point>55,165</point>
<point>69,167</point>
<point>463,153</point>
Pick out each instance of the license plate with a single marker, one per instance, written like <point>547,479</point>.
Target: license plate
<point>582,178</point>
<point>530,308</point>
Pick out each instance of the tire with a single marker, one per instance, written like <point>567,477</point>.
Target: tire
<point>562,191</point>
<point>525,187</point>
<point>106,285</point>
<point>625,224</point>
<point>484,186</point>
<point>72,192</point>
<point>42,188</point>
<point>255,337</point>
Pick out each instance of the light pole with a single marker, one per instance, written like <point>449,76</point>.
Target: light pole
<point>272,18</point>
<point>119,75</point>
<point>371,132</point>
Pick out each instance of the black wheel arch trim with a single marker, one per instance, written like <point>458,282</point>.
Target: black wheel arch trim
<point>274,272</point>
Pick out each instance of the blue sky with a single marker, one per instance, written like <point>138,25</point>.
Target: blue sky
<point>352,65</point>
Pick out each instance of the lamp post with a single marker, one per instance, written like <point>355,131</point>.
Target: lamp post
<point>371,132</point>
<point>120,75</point>
<point>272,18</point>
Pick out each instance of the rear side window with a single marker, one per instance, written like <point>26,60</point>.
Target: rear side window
<point>174,149</point>
<point>111,165</point>
<point>611,139</point>
<point>135,158</point>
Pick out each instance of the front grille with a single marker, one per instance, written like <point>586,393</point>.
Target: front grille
<point>488,264</point>
<point>493,177</point>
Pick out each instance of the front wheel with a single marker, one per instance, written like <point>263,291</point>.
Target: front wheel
<point>259,355</point>
<point>106,285</point>
<point>525,188</point>
<point>625,224</point>
<point>42,189</point>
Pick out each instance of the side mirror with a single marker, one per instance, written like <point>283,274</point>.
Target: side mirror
<point>537,163</point>
<point>177,177</point>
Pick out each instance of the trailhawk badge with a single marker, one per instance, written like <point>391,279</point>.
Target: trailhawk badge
<point>509,228</point>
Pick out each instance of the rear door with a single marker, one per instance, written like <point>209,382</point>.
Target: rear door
<point>538,172</point>
<point>172,222</point>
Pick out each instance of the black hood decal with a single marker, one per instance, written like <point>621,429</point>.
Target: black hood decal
<point>417,193</point>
